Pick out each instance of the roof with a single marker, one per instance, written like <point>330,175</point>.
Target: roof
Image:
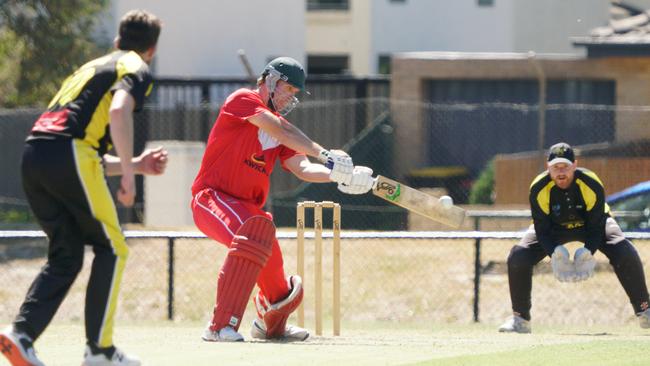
<point>627,26</point>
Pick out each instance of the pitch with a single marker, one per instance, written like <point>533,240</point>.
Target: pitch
<point>172,344</point>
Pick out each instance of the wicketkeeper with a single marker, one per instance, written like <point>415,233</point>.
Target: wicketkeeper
<point>568,204</point>
<point>247,139</point>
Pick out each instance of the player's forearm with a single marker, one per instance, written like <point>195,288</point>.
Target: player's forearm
<point>112,165</point>
<point>543,233</point>
<point>122,135</point>
<point>314,173</point>
<point>547,243</point>
<point>595,227</point>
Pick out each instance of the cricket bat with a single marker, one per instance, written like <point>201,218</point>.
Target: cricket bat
<point>247,66</point>
<point>418,202</point>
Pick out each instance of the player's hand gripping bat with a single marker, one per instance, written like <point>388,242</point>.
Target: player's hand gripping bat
<point>415,201</point>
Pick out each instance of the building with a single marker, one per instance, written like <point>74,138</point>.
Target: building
<point>359,36</point>
<point>201,38</point>
<point>626,34</point>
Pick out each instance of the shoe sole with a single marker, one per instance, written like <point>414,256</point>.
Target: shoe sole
<point>283,338</point>
<point>513,331</point>
<point>222,340</point>
<point>12,352</point>
<point>300,339</point>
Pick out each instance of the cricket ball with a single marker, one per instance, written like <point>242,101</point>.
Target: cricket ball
<point>446,201</point>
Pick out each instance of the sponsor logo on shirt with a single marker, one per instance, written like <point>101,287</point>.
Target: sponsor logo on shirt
<point>256,162</point>
<point>574,224</point>
<point>556,209</point>
<point>258,159</point>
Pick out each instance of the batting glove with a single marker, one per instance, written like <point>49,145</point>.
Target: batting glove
<point>563,268</point>
<point>340,163</point>
<point>362,181</point>
<point>585,263</point>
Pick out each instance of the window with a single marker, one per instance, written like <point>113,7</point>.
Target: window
<point>383,64</point>
<point>327,64</point>
<point>485,2</point>
<point>328,5</point>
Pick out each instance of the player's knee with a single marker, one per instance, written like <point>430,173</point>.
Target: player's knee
<point>519,260</point>
<point>254,240</point>
<point>275,315</point>
<point>68,266</point>
<point>66,261</point>
<point>517,257</point>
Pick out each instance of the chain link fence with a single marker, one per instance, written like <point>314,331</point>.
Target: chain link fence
<point>419,280</point>
<point>385,279</point>
<point>458,149</point>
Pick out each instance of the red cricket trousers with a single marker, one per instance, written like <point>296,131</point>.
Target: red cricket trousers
<point>219,216</point>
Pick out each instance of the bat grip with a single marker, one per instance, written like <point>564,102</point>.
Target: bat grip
<point>330,164</point>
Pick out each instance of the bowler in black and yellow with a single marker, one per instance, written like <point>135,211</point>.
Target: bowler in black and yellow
<point>568,204</point>
<point>64,165</point>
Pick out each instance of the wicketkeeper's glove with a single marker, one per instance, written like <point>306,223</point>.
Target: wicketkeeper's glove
<point>563,268</point>
<point>585,263</point>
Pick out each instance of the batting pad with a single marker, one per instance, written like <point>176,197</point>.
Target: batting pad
<point>249,251</point>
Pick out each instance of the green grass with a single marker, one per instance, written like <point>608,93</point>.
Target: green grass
<point>404,302</point>
<point>597,352</point>
<point>375,343</point>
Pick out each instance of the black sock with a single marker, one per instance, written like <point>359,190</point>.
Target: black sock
<point>107,351</point>
<point>525,315</point>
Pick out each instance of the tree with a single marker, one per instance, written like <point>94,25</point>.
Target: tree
<point>11,50</point>
<point>483,188</point>
<point>41,42</point>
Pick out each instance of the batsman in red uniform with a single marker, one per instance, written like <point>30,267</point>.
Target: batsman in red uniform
<point>249,135</point>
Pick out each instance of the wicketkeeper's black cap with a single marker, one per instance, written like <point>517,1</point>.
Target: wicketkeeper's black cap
<point>561,153</point>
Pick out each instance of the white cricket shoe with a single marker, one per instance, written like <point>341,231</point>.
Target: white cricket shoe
<point>18,348</point>
<point>225,334</point>
<point>644,319</point>
<point>515,324</point>
<point>119,359</point>
<point>291,332</point>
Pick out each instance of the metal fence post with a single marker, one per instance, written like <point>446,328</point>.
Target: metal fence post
<point>360,92</point>
<point>477,276</point>
<point>170,274</point>
<point>205,111</point>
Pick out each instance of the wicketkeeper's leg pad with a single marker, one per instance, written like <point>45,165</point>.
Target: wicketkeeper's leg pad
<point>275,315</point>
<point>248,253</point>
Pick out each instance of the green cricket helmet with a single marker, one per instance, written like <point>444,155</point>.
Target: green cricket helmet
<point>292,72</point>
<point>288,70</point>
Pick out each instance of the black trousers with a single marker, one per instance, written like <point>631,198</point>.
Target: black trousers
<point>621,254</point>
<point>65,185</point>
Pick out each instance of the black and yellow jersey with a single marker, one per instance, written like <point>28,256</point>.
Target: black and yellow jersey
<point>80,109</point>
<point>578,212</point>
